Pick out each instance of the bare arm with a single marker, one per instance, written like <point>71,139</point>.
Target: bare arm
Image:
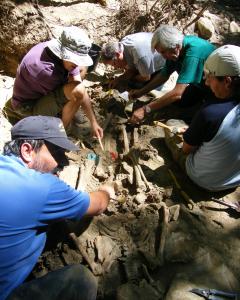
<point>142,78</point>
<point>188,148</point>
<point>77,95</point>
<point>99,200</point>
<point>168,98</point>
<point>98,203</point>
<point>157,80</point>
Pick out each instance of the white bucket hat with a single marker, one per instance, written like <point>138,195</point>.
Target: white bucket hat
<point>73,45</point>
<point>224,61</point>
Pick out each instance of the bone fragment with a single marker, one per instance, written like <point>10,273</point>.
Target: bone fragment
<point>96,269</point>
<point>85,174</point>
<point>125,139</point>
<point>164,233</point>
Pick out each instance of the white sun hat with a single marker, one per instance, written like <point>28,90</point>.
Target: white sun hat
<point>224,61</point>
<point>73,45</point>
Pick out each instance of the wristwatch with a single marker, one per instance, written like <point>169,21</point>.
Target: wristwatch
<point>147,109</point>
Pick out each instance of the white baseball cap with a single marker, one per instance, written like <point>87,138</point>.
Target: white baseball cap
<point>73,45</point>
<point>224,61</point>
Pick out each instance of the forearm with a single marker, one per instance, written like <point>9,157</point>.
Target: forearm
<point>157,80</point>
<point>87,107</point>
<point>98,202</point>
<point>141,78</point>
<point>128,74</point>
<point>188,148</point>
<point>169,97</point>
<point>165,100</point>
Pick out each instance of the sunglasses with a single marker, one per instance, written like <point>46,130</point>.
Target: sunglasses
<point>58,154</point>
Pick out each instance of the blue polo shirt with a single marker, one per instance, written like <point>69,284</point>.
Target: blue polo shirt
<point>29,201</point>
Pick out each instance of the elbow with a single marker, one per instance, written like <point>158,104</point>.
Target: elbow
<point>102,207</point>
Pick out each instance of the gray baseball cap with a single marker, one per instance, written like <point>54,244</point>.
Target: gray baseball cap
<point>73,45</point>
<point>46,128</point>
<point>224,61</point>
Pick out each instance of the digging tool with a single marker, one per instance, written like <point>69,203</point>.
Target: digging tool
<point>215,294</point>
<point>235,205</point>
<point>189,201</point>
<point>100,142</point>
<point>174,130</point>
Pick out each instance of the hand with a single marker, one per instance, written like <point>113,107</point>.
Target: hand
<point>97,130</point>
<point>135,94</point>
<point>108,188</point>
<point>182,130</point>
<point>137,116</point>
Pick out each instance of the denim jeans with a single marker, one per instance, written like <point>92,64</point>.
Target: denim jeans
<point>74,282</point>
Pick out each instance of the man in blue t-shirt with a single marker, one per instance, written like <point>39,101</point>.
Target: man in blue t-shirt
<point>211,143</point>
<point>32,197</point>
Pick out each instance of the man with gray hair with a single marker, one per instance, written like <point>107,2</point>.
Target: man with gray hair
<point>48,80</point>
<point>184,54</point>
<point>133,54</point>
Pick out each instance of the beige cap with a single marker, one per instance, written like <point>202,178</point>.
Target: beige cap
<point>224,61</point>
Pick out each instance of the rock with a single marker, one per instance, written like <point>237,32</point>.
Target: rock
<point>234,27</point>
<point>205,28</point>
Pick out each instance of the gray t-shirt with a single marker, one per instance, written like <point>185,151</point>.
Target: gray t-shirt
<point>216,164</point>
<point>139,55</point>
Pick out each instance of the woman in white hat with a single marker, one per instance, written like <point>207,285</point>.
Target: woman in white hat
<point>48,80</point>
<point>212,140</point>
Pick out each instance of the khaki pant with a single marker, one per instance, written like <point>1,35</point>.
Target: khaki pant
<point>49,105</point>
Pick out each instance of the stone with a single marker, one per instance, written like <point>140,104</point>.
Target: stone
<point>205,28</point>
<point>234,27</point>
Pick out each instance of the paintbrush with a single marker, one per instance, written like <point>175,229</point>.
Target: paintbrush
<point>100,142</point>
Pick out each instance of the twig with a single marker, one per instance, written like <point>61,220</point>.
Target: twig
<point>189,201</point>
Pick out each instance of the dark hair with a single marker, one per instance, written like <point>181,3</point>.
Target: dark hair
<point>13,147</point>
<point>235,85</point>
<point>109,51</point>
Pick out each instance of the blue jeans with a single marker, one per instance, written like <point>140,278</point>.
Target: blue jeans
<point>74,282</point>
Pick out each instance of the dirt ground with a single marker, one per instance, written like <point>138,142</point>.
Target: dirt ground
<point>162,235</point>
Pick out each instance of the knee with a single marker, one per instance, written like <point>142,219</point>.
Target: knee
<point>78,93</point>
<point>75,91</point>
<point>83,277</point>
